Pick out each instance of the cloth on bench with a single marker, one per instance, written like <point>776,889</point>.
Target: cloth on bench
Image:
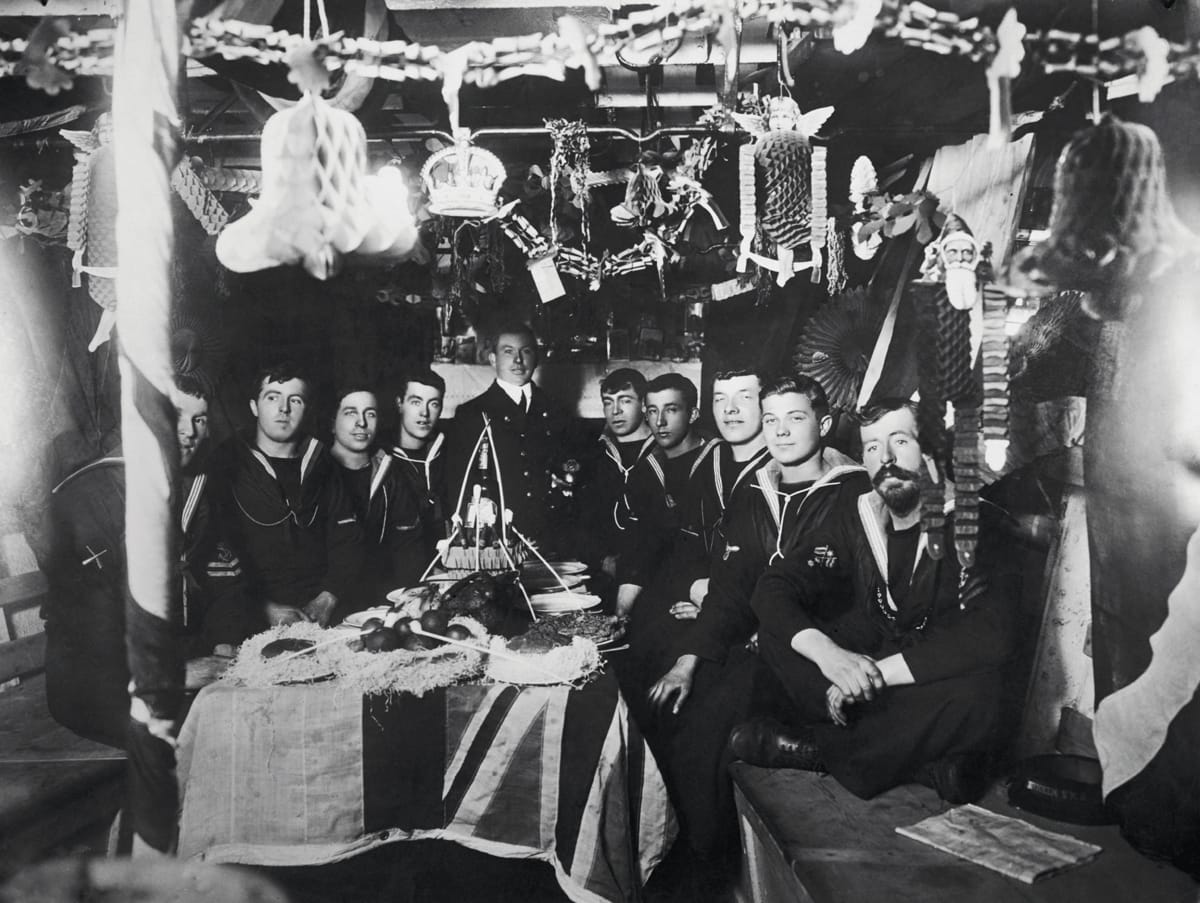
<point>1006,845</point>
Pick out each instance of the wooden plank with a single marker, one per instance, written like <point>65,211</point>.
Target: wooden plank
<point>42,806</point>
<point>29,734</point>
<point>24,656</point>
<point>842,848</point>
<point>22,588</point>
<point>985,187</point>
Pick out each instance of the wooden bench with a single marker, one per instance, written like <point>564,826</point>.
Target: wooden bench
<point>807,839</point>
<point>54,785</point>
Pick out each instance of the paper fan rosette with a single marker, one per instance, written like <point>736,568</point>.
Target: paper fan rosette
<point>836,346</point>
<point>196,351</point>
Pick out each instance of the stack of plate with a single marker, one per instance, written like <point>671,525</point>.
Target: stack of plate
<point>562,602</point>
<point>538,578</point>
<point>548,583</point>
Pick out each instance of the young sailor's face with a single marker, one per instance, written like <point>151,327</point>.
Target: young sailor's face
<point>736,409</point>
<point>191,425</point>
<point>623,412</point>
<point>791,428</point>
<point>670,417</point>
<point>280,408</point>
<point>356,421</point>
<point>420,408</point>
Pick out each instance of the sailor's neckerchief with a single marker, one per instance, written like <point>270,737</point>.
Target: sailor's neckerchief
<point>614,454</point>
<point>656,465</point>
<point>874,515</point>
<point>425,462</point>
<point>770,476</point>
<point>310,452</point>
<point>718,481</point>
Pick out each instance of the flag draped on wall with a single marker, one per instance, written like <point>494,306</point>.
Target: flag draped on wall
<point>144,137</point>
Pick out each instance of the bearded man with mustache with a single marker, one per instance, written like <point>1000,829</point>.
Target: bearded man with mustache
<point>890,660</point>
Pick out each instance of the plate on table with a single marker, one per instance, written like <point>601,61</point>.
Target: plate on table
<point>549,583</point>
<point>562,602</point>
<point>358,618</point>
<point>537,569</point>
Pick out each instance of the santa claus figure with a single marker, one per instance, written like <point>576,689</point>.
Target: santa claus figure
<point>954,259</point>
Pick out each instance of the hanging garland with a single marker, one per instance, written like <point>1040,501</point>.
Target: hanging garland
<point>569,163</point>
<point>1142,53</point>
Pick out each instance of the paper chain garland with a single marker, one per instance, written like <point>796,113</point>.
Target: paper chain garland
<point>1142,53</point>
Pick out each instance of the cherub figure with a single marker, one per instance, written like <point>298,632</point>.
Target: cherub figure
<point>783,181</point>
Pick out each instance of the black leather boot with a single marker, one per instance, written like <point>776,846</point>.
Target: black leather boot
<point>768,743</point>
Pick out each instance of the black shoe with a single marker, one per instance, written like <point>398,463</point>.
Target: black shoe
<point>957,779</point>
<point>767,743</point>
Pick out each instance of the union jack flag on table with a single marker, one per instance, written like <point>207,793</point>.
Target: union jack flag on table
<point>304,775</point>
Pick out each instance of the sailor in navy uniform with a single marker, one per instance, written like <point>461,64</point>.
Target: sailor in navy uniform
<point>625,442</point>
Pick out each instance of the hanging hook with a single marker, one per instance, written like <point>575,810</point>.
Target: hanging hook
<point>783,67</point>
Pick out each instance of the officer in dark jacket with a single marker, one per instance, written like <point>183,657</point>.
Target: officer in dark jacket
<point>531,436</point>
<point>891,659</point>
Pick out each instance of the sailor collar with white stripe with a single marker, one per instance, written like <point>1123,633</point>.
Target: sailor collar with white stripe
<point>874,514</point>
<point>310,452</point>
<point>613,452</point>
<point>770,476</point>
<point>747,468</point>
<point>654,459</point>
<point>426,462</point>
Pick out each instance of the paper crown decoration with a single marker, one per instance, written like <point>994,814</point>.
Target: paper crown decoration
<point>463,180</point>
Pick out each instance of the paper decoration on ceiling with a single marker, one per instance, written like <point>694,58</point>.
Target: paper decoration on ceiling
<point>945,298</point>
<point>1112,223</point>
<point>913,24</point>
<point>853,22</point>
<point>953,260</point>
<point>101,282</point>
<point>663,193</point>
<point>318,203</point>
<point>202,203</point>
<point>1153,67</point>
<point>781,178</point>
<point>463,180</point>
<point>644,199</point>
<point>44,213</point>
<point>570,165</point>
<point>196,352</point>
<point>41,73</point>
<point>835,347</point>
<point>1004,68</point>
<point>344,87</point>
<point>863,182</point>
<point>993,361</point>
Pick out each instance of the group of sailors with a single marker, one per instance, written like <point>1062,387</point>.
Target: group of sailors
<point>780,599</point>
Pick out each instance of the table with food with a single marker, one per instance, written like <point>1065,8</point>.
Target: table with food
<point>476,710</point>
